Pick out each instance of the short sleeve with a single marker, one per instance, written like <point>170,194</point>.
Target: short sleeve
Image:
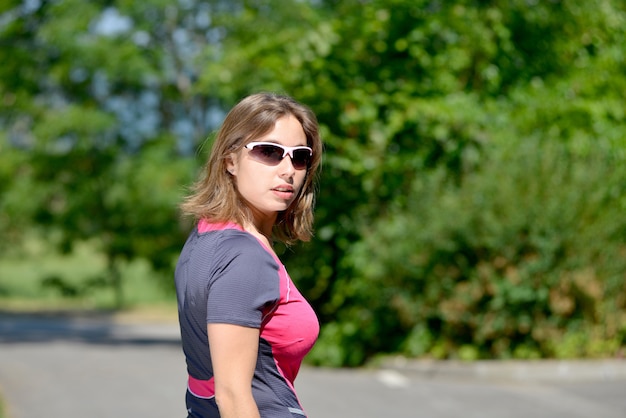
<point>244,282</point>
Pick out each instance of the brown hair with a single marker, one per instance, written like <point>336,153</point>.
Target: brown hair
<point>215,197</point>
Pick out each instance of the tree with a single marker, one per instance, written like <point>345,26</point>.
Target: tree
<point>97,105</point>
<point>407,92</point>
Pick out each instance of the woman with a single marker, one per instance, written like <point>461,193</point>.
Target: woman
<point>245,327</point>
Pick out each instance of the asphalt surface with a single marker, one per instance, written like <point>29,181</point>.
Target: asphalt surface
<point>70,366</point>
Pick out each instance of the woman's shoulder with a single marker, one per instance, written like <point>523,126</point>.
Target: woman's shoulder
<point>239,241</point>
<point>229,239</point>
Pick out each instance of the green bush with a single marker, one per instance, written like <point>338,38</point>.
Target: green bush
<point>523,259</point>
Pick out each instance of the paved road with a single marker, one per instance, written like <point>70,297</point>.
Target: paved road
<point>94,366</point>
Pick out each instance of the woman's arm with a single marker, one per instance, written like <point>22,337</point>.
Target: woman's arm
<point>234,351</point>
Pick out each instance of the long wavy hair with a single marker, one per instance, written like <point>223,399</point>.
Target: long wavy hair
<point>214,196</point>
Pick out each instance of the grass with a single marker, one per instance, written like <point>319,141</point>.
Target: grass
<point>24,274</point>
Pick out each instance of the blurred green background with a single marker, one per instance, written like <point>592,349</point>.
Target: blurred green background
<point>473,189</point>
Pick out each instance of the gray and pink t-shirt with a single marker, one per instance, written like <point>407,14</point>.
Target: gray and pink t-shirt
<point>226,275</point>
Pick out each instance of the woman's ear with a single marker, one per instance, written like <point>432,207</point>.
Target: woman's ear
<point>231,165</point>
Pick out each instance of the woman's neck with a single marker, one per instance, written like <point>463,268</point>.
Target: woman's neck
<point>263,235</point>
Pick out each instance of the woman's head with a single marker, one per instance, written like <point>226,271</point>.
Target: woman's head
<point>216,196</point>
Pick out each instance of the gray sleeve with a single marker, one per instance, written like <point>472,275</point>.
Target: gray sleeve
<point>244,282</point>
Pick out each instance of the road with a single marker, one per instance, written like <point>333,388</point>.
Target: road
<point>70,366</point>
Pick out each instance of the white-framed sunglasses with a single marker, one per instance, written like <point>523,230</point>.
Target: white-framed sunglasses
<point>270,153</point>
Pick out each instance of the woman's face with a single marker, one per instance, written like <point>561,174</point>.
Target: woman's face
<point>269,189</point>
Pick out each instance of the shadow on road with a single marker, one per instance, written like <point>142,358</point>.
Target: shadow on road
<point>91,327</point>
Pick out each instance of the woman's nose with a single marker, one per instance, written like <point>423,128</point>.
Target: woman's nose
<point>286,166</point>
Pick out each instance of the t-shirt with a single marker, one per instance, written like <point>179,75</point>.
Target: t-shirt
<point>226,275</point>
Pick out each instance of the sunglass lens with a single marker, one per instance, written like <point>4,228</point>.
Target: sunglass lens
<point>301,158</point>
<point>268,154</point>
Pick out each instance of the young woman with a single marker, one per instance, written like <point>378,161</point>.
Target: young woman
<point>245,327</point>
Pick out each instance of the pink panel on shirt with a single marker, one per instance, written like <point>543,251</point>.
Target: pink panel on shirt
<point>201,388</point>
<point>292,329</point>
<point>206,226</point>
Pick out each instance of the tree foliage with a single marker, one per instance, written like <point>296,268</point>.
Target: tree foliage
<point>431,94</point>
<point>472,181</point>
<point>97,98</point>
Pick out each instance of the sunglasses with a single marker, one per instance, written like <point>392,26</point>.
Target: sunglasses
<point>272,154</point>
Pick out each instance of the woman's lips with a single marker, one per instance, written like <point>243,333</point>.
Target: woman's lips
<point>284,192</point>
